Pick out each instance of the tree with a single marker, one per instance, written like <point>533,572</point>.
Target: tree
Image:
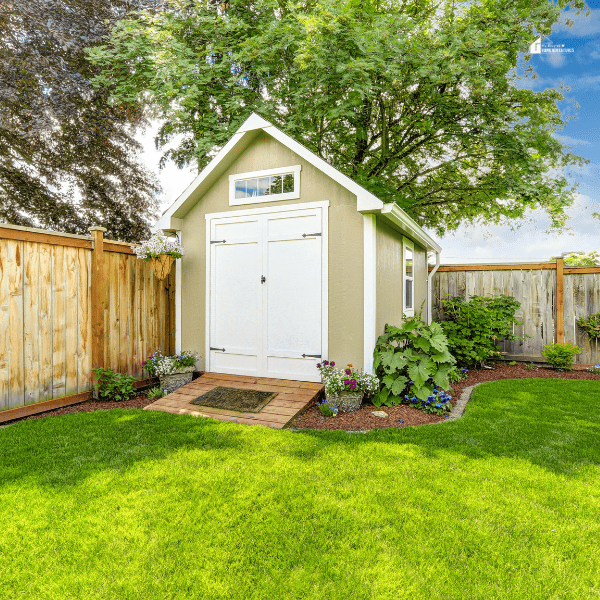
<point>68,158</point>
<point>416,100</point>
<point>581,259</point>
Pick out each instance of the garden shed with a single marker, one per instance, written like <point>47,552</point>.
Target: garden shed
<point>288,261</point>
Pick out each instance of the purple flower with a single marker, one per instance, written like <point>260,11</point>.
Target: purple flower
<point>348,372</point>
<point>318,365</point>
<point>346,382</point>
<point>332,364</point>
<point>353,384</point>
<point>143,363</point>
<point>325,362</point>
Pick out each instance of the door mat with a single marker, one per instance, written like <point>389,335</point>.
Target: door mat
<point>235,399</point>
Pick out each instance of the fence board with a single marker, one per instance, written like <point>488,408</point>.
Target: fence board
<point>31,322</point>
<point>46,315</point>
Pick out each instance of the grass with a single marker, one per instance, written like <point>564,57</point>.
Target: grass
<point>503,503</point>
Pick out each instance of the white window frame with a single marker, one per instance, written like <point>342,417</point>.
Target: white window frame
<point>408,245</point>
<point>295,169</point>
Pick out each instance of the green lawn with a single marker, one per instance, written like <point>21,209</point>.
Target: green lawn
<point>503,503</point>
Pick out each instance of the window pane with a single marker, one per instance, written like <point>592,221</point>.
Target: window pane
<point>408,286</point>
<point>276,184</point>
<point>240,189</point>
<point>409,262</point>
<point>263,186</point>
<point>251,187</point>
<point>288,183</point>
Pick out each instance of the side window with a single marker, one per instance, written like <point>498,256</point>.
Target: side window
<point>408,270</point>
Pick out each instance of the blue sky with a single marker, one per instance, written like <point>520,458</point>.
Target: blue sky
<point>580,71</point>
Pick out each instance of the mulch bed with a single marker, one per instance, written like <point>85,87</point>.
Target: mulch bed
<point>362,419</point>
<point>406,416</point>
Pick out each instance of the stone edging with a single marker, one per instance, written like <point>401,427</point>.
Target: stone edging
<point>459,408</point>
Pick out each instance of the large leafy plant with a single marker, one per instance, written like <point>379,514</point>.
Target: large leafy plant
<point>414,356</point>
<point>474,326</point>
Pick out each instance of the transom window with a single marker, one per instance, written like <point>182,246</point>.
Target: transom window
<point>282,183</point>
<point>264,186</point>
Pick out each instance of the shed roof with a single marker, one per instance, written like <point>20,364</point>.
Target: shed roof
<point>366,202</point>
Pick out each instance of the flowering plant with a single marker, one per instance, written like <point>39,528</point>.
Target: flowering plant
<point>159,364</point>
<point>595,369</point>
<point>328,408</point>
<point>437,403</point>
<point>346,380</point>
<point>158,245</point>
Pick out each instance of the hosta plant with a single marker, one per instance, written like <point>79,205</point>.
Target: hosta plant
<point>414,355</point>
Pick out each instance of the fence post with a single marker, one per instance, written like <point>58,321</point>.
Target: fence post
<point>98,296</point>
<point>560,301</point>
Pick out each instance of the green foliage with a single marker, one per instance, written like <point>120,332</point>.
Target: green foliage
<point>414,100</point>
<point>328,408</point>
<point>68,156</point>
<point>560,356</point>
<point>591,259</point>
<point>411,357</point>
<point>154,393</point>
<point>113,386</point>
<point>591,325</point>
<point>474,326</point>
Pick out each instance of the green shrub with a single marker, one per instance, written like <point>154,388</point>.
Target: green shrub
<point>412,359</point>
<point>113,386</point>
<point>473,327</point>
<point>591,325</point>
<point>560,356</point>
<point>154,393</point>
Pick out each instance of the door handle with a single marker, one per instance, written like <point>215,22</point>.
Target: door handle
<point>220,349</point>
<point>263,279</point>
<point>311,356</point>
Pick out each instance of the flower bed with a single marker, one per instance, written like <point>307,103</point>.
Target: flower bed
<point>405,416</point>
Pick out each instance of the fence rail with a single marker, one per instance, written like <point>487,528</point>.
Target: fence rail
<point>68,303</point>
<point>552,298</point>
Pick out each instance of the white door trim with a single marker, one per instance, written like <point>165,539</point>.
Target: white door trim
<point>324,205</point>
<point>268,209</point>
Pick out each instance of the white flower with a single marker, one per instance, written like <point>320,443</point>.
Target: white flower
<point>157,245</point>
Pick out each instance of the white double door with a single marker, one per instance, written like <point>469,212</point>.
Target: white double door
<point>266,299</point>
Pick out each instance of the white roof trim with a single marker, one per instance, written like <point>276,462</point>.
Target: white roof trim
<point>365,201</point>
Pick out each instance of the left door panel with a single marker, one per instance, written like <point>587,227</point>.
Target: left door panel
<point>236,296</point>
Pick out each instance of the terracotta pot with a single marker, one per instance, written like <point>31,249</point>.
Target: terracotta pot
<point>162,265</point>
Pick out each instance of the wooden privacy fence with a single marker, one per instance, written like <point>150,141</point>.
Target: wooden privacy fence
<point>552,298</point>
<point>70,302</point>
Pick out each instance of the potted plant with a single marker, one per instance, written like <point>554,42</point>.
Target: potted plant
<point>346,388</point>
<point>161,251</point>
<point>173,371</point>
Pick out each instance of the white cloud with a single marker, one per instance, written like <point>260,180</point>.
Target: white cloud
<point>556,60</point>
<point>528,242</point>
<point>565,139</point>
<point>582,26</point>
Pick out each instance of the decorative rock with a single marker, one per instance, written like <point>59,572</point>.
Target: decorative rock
<point>379,413</point>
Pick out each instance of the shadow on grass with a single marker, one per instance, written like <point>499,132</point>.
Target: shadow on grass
<point>554,424</point>
<point>64,449</point>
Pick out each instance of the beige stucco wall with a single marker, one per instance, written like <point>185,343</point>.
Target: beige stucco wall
<point>390,278</point>
<point>346,264</point>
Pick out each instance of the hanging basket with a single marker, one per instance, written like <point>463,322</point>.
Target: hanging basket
<point>162,264</point>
